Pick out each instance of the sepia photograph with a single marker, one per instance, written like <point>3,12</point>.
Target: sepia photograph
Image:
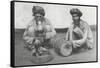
<point>53,33</point>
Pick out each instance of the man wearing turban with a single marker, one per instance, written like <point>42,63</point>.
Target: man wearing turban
<point>39,29</point>
<point>79,32</point>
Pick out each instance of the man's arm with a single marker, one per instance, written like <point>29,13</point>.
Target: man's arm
<point>77,42</point>
<point>82,41</point>
<point>50,30</point>
<point>28,38</point>
<point>85,34</point>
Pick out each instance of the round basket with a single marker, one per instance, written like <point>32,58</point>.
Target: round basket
<point>41,59</point>
<point>63,47</point>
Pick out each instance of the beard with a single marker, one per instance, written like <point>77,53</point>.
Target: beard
<point>39,18</point>
<point>77,22</point>
<point>39,23</point>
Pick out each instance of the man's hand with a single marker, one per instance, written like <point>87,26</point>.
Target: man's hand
<point>30,40</point>
<point>37,42</point>
<point>48,35</point>
<point>76,43</point>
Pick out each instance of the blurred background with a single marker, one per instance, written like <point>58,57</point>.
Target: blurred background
<point>59,15</point>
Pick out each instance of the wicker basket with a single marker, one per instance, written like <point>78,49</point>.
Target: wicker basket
<point>63,47</point>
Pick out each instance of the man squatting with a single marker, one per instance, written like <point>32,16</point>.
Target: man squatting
<point>39,29</point>
<point>79,33</point>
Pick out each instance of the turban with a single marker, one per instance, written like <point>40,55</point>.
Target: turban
<point>76,11</point>
<point>38,9</point>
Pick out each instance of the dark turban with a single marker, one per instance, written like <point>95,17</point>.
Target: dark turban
<point>76,11</point>
<point>38,9</point>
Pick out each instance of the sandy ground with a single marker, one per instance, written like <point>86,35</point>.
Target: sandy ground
<point>22,55</point>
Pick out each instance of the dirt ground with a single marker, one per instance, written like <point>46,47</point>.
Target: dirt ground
<point>22,55</point>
